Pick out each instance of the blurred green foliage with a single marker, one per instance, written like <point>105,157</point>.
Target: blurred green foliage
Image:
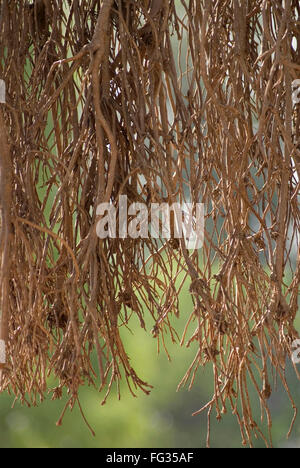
<point>162,419</point>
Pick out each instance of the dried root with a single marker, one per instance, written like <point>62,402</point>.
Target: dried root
<point>160,101</point>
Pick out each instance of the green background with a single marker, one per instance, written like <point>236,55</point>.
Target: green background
<point>162,419</point>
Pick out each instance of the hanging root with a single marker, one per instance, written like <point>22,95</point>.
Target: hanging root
<point>163,102</point>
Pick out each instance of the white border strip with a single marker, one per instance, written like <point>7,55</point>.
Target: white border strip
<point>2,92</point>
<point>2,352</point>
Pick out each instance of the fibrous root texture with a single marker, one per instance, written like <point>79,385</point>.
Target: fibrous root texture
<point>162,101</point>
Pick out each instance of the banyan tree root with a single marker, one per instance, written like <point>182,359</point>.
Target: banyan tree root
<point>161,101</point>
